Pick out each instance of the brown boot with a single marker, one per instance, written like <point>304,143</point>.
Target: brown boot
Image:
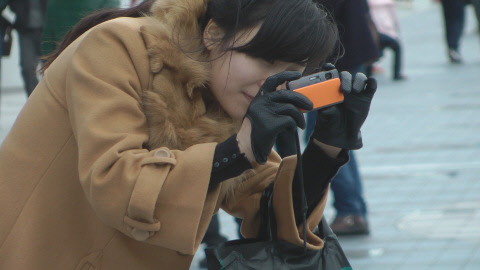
<point>350,225</point>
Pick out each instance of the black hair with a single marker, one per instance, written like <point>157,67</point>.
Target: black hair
<point>297,31</point>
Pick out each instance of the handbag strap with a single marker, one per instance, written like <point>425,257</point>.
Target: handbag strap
<point>299,176</point>
<point>267,217</point>
<point>269,222</point>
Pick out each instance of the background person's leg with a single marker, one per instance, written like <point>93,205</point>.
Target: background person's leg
<point>347,190</point>
<point>310,121</point>
<point>454,20</point>
<point>476,7</point>
<point>212,237</point>
<point>239,224</point>
<point>388,42</point>
<point>29,41</point>
<point>348,201</point>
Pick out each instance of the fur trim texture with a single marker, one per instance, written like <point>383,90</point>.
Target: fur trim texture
<point>180,109</point>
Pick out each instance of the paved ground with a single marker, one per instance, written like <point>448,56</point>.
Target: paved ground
<point>421,160</point>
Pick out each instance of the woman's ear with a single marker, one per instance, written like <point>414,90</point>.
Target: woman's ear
<point>212,34</point>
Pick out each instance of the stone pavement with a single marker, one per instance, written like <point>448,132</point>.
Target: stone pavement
<point>421,160</point>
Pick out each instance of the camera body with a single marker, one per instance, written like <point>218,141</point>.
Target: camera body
<point>323,89</point>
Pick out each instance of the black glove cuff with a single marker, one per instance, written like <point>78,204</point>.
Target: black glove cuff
<point>228,162</point>
<point>340,140</point>
<point>318,171</point>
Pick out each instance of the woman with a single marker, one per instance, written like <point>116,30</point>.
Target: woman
<point>144,125</point>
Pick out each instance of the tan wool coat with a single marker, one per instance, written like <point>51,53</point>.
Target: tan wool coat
<point>108,163</point>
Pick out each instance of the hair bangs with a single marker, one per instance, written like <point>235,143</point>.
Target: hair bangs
<point>293,31</point>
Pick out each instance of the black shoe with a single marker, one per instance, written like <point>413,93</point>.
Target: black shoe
<point>350,225</point>
<point>399,77</point>
<point>454,56</point>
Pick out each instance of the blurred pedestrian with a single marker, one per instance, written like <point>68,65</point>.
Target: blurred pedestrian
<point>476,7</point>
<point>6,29</point>
<point>29,23</point>
<point>149,119</point>
<point>62,15</point>
<point>357,36</point>
<point>384,16</point>
<point>454,22</point>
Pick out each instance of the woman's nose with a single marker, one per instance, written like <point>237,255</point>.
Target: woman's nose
<point>282,86</point>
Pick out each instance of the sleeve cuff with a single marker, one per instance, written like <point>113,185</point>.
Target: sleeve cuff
<point>228,162</point>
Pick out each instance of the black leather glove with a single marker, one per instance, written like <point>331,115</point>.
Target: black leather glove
<point>340,125</point>
<point>272,112</point>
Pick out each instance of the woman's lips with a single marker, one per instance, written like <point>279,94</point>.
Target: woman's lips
<point>248,97</point>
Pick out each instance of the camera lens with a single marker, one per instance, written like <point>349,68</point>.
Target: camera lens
<point>328,76</point>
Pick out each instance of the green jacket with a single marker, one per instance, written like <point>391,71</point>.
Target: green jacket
<point>62,15</point>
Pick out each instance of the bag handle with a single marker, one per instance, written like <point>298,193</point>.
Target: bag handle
<point>285,140</point>
<point>299,176</point>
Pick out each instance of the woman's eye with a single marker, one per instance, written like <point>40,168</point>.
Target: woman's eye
<point>297,67</point>
<point>264,61</point>
<point>270,62</point>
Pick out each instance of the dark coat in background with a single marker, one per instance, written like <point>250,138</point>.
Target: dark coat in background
<point>23,18</point>
<point>357,32</point>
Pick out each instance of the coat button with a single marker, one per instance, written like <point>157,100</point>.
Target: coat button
<point>140,235</point>
<point>216,164</point>
<point>162,153</point>
<point>225,160</point>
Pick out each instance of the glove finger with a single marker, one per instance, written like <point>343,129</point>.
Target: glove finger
<point>328,67</point>
<point>260,152</point>
<point>371,86</point>
<point>273,81</point>
<point>295,117</point>
<point>359,82</point>
<point>346,82</point>
<point>291,97</point>
<point>285,143</point>
<point>327,112</point>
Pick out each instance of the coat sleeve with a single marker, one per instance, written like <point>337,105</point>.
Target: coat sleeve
<point>244,202</point>
<point>154,196</point>
<point>287,229</point>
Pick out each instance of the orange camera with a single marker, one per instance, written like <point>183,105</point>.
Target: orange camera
<point>322,89</point>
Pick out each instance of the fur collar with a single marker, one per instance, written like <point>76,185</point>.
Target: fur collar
<point>179,107</point>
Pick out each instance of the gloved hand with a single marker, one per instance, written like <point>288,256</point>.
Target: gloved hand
<point>272,112</point>
<point>340,125</point>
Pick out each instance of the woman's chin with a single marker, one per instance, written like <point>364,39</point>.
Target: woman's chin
<point>238,115</point>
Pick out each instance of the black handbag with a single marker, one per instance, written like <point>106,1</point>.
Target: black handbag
<point>6,33</point>
<point>267,252</point>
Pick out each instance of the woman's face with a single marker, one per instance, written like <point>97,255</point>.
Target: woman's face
<point>237,77</point>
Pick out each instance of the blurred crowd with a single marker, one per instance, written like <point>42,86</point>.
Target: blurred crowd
<point>41,25</point>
